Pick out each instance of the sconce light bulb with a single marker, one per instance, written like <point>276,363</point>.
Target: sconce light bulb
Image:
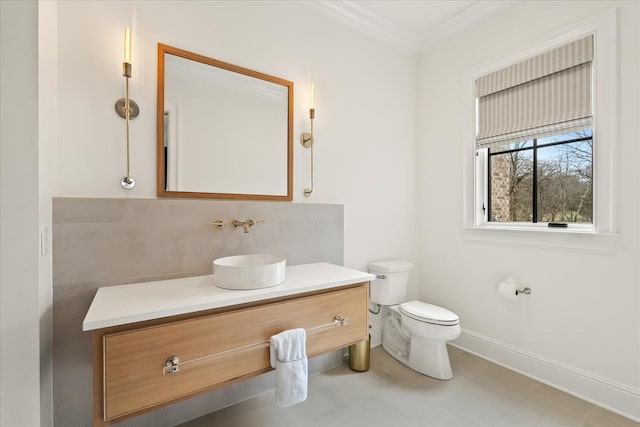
<point>311,96</point>
<point>127,45</point>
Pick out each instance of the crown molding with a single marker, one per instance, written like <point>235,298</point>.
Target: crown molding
<point>362,19</point>
<point>365,21</point>
<point>464,19</point>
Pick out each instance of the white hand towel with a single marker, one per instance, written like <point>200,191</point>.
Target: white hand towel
<point>289,358</point>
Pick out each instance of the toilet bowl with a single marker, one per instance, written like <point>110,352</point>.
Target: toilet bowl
<point>413,332</point>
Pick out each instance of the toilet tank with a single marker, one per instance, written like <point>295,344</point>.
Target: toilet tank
<point>392,278</point>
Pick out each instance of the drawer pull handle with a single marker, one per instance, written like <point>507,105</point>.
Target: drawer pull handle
<point>173,362</point>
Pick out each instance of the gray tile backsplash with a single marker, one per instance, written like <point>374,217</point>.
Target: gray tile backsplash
<point>104,242</point>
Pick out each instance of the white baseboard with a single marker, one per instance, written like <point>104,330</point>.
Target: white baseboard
<point>611,395</point>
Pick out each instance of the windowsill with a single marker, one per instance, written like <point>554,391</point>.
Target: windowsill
<point>576,240</point>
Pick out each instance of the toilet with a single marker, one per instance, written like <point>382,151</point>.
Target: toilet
<point>413,332</point>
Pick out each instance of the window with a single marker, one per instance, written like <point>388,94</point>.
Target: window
<point>534,139</point>
<point>547,179</point>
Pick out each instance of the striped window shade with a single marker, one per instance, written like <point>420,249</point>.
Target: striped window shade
<point>547,94</point>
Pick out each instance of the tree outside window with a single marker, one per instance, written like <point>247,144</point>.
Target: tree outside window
<point>547,179</point>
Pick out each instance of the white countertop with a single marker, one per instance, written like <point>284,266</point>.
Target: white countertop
<point>122,304</point>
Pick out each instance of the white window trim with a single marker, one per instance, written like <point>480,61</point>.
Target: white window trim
<point>602,236</point>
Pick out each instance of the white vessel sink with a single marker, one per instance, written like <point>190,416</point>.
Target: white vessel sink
<point>243,272</point>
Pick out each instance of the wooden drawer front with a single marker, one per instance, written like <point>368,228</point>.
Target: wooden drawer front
<point>134,360</point>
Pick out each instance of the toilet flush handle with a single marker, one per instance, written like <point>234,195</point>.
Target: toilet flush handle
<point>380,276</point>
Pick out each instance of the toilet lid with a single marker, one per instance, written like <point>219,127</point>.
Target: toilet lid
<point>430,313</point>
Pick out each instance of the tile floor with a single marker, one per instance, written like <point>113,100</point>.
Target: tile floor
<point>392,395</point>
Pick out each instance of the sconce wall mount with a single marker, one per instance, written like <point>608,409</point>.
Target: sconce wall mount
<point>121,108</point>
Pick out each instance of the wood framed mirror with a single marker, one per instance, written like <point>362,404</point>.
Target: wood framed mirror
<point>223,131</point>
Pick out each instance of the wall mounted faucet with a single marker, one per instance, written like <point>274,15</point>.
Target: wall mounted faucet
<point>245,224</point>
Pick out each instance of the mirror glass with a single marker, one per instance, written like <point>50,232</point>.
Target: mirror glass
<point>224,131</point>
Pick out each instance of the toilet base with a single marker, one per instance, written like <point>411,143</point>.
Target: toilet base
<point>427,357</point>
<point>430,358</point>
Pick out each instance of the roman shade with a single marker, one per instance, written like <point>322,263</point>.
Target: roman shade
<point>547,94</point>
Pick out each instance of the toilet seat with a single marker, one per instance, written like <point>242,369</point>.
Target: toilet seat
<point>428,313</point>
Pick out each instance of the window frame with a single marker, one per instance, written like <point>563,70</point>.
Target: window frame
<point>605,94</point>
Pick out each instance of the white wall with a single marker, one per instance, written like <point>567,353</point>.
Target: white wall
<point>19,261</point>
<point>580,329</point>
<point>47,136</point>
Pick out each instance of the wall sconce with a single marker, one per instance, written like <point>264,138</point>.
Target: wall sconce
<point>306,139</point>
<point>125,107</point>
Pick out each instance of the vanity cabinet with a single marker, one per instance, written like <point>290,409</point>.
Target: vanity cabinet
<point>214,347</point>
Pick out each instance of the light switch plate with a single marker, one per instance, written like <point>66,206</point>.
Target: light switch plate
<point>44,240</point>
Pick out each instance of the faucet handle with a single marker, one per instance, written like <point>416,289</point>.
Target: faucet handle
<point>217,223</point>
<point>245,224</point>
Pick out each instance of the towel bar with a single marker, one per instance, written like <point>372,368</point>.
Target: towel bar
<point>173,362</point>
